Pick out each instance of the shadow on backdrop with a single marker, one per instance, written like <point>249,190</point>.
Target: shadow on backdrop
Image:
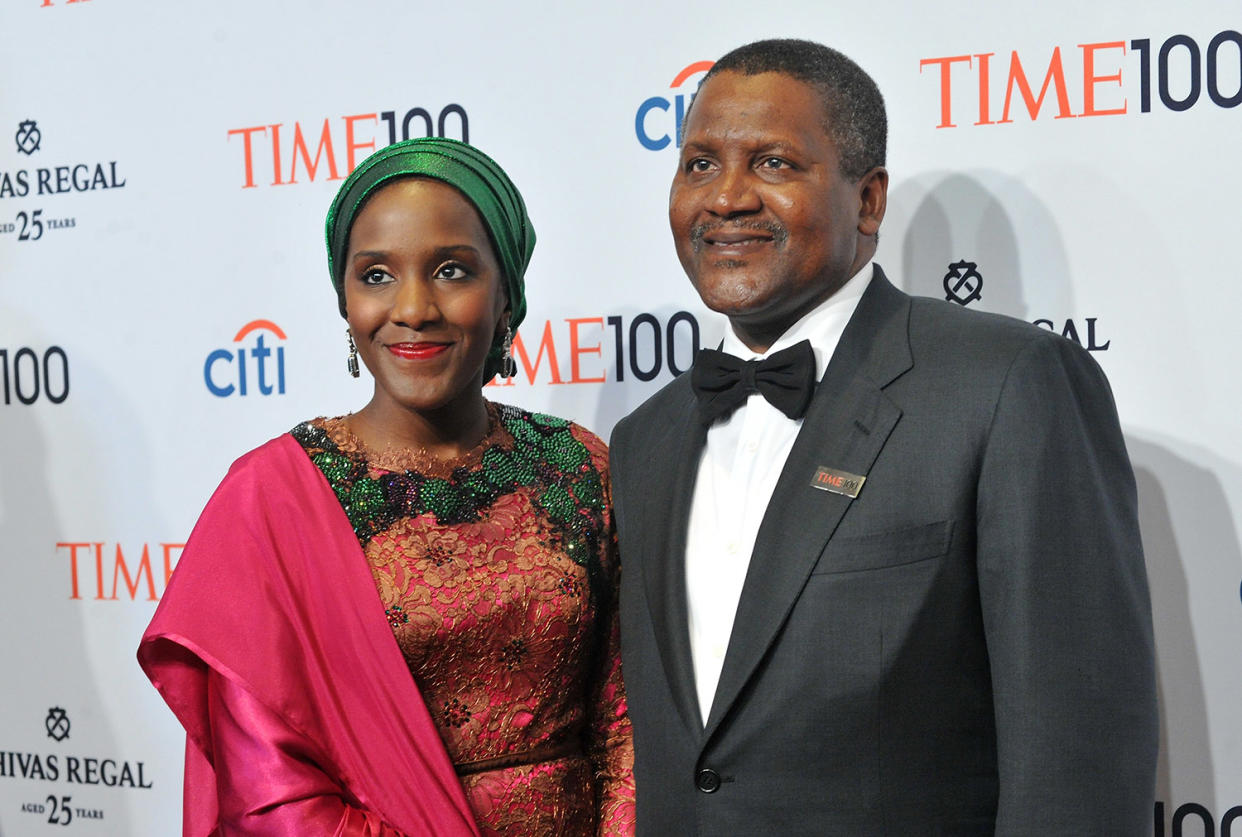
<point>1188,529</point>
<point>986,218</point>
<point>46,657</point>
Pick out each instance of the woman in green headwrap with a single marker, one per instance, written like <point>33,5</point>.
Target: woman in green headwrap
<point>486,531</point>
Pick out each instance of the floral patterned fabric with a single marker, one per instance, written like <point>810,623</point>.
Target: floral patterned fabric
<point>498,576</point>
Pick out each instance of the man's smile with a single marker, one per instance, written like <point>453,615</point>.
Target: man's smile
<point>733,239</point>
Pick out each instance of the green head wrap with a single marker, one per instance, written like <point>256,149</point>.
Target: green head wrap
<point>466,169</point>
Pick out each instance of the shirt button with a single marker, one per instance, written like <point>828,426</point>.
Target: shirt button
<point>751,447</point>
<point>732,547</point>
<point>707,781</point>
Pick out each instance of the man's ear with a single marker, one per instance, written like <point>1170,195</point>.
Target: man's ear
<point>872,200</point>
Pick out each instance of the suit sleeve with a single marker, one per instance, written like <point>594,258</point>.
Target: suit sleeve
<point>1065,602</point>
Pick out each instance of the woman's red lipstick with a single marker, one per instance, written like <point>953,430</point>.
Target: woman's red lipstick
<point>417,351</point>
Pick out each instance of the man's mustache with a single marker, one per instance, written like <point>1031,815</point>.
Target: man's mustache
<point>778,232</point>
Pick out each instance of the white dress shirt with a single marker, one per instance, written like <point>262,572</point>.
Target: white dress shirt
<point>741,462</point>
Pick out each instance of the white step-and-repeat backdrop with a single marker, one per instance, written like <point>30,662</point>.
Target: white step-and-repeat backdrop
<point>165,303</point>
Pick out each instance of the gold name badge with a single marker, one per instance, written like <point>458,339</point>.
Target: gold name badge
<point>838,482</point>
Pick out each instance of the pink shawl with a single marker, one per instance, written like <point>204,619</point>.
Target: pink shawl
<point>273,592</point>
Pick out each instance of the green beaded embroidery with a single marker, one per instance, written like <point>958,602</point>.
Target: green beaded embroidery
<point>546,456</point>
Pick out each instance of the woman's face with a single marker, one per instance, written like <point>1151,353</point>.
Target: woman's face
<point>423,294</point>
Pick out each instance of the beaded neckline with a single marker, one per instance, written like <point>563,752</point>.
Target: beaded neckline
<point>415,459</point>
<point>543,454</point>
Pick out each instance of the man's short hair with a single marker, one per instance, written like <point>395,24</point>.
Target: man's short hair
<point>853,106</point>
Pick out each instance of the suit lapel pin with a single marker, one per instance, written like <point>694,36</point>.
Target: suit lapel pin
<point>837,482</point>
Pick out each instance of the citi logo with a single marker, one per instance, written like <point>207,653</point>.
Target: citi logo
<point>234,371</point>
<point>656,131</point>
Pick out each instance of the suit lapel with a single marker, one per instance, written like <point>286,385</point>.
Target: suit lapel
<point>664,549</point>
<point>846,426</point>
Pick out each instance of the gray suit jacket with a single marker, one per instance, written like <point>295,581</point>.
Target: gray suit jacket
<point>966,648</point>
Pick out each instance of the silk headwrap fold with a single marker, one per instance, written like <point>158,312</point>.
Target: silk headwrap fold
<point>470,172</point>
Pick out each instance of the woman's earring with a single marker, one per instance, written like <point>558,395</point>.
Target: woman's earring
<point>508,366</point>
<point>351,362</point>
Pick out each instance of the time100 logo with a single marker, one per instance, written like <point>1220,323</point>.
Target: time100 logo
<point>26,376</point>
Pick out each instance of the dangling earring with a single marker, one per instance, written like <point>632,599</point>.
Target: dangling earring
<point>508,366</point>
<point>351,362</point>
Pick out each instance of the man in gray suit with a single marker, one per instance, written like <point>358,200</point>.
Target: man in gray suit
<point>882,561</point>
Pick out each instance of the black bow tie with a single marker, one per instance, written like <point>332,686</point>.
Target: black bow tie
<point>723,382</point>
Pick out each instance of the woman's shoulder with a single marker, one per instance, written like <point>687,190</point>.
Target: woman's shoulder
<point>320,434</point>
<point>284,454</point>
<point>523,424</point>
<point>553,437</point>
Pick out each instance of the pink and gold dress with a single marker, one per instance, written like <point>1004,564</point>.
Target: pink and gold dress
<point>498,576</point>
<point>498,710</point>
